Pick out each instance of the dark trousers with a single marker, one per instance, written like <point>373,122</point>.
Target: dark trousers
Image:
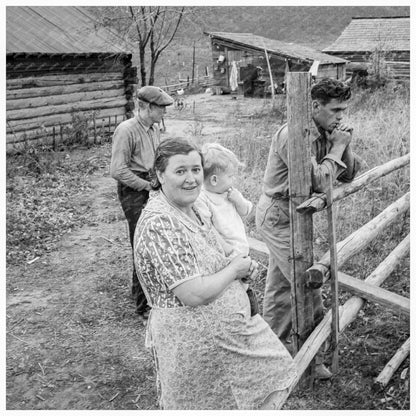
<point>133,202</point>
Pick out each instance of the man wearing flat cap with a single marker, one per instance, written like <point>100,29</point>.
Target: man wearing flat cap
<point>134,144</point>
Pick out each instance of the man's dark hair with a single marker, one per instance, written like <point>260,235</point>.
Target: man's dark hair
<point>328,88</point>
<point>167,149</point>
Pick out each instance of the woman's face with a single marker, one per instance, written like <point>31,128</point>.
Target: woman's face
<point>181,181</point>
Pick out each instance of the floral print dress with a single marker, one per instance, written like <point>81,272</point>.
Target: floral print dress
<point>214,356</point>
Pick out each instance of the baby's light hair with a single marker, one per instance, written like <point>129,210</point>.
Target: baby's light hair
<point>218,159</point>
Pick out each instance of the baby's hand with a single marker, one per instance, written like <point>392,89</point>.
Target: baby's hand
<point>234,195</point>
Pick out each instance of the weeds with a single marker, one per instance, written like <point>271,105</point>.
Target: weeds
<point>40,184</point>
<point>77,131</point>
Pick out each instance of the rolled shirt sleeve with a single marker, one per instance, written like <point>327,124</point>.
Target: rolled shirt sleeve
<point>323,165</point>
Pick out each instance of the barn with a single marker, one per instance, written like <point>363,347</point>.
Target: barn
<point>61,68</point>
<point>385,38</point>
<point>240,55</point>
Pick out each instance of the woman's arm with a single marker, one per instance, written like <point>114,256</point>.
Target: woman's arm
<point>204,289</point>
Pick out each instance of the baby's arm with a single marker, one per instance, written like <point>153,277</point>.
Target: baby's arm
<point>242,205</point>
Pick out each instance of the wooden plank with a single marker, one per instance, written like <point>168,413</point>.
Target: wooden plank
<point>348,313</point>
<point>301,227</point>
<point>386,374</point>
<point>318,201</point>
<point>397,303</point>
<point>355,242</point>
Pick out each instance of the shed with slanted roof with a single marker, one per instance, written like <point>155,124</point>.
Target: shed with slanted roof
<point>61,68</point>
<point>373,41</point>
<point>245,52</point>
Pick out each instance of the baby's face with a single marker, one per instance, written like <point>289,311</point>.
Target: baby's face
<point>225,180</point>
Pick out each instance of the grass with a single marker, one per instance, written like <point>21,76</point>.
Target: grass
<point>41,189</point>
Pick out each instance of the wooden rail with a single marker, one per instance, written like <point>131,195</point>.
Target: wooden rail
<point>318,201</point>
<point>318,273</point>
<point>347,312</point>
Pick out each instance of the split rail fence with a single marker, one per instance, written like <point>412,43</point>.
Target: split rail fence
<point>308,275</point>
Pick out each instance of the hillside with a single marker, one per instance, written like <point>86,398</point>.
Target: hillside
<point>313,26</point>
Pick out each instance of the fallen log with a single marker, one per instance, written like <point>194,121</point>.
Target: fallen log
<point>318,201</point>
<point>318,274</point>
<point>387,373</point>
<point>347,314</point>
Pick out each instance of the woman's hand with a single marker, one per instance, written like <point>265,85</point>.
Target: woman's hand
<point>253,270</point>
<point>244,267</point>
<point>204,289</point>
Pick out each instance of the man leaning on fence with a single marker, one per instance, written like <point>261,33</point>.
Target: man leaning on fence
<point>134,144</point>
<point>331,155</point>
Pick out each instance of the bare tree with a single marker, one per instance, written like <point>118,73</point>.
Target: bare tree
<point>152,28</point>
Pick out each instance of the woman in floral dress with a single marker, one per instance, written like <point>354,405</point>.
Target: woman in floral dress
<point>209,352</point>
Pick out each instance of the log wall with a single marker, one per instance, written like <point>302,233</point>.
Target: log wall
<point>398,63</point>
<point>45,93</point>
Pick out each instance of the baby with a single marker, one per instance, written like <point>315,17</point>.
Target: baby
<point>223,204</point>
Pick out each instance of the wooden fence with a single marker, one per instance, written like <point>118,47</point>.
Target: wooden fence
<point>307,275</point>
<point>202,81</point>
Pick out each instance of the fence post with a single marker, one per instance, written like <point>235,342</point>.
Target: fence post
<point>301,226</point>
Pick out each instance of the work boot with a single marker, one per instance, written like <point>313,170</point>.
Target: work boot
<point>322,372</point>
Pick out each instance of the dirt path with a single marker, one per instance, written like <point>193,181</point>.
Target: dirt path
<point>73,339</point>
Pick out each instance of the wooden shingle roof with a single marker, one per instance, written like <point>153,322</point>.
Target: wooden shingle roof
<point>57,29</point>
<point>367,34</point>
<point>287,50</point>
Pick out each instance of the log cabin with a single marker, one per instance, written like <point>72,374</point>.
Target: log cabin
<point>245,53</point>
<point>387,36</point>
<point>60,66</point>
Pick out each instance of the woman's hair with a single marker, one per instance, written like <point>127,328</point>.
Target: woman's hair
<point>166,149</point>
<point>218,159</point>
<point>328,88</point>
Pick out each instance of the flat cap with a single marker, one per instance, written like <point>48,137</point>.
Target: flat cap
<point>154,95</point>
